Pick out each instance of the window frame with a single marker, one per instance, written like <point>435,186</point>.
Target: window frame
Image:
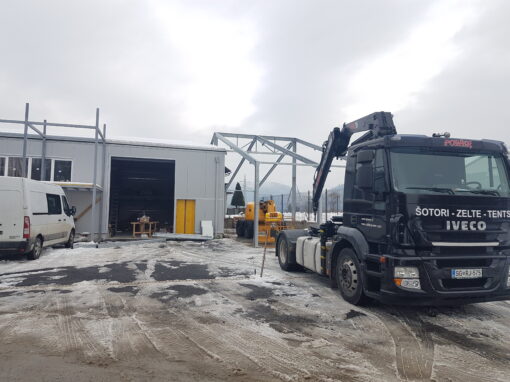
<point>30,159</point>
<point>8,162</point>
<point>3,173</point>
<point>53,168</point>
<point>31,165</point>
<point>57,197</point>
<point>65,205</point>
<point>497,157</point>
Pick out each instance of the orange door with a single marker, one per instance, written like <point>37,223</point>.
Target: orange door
<point>185,216</point>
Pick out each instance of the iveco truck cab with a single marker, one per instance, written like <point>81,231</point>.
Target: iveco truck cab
<point>426,220</point>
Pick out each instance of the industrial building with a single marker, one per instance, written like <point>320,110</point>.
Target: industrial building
<point>178,185</point>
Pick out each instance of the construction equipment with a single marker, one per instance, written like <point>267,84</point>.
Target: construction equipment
<point>267,212</point>
<point>426,220</point>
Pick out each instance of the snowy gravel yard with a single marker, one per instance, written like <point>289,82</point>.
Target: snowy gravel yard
<point>181,311</point>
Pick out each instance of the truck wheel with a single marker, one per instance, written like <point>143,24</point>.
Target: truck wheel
<point>35,253</point>
<point>248,229</point>
<point>240,228</point>
<point>70,242</point>
<point>285,256</point>
<point>348,277</point>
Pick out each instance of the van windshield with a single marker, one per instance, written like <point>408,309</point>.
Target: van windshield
<point>433,172</point>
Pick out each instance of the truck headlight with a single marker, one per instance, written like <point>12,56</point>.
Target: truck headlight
<point>407,277</point>
<point>407,273</point>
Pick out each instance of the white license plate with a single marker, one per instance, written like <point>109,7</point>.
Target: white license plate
<point>466,273</point>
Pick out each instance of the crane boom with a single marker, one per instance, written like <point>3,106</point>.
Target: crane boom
<point>376,125</point>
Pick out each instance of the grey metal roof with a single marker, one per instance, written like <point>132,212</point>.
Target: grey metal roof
<point>144,142</point>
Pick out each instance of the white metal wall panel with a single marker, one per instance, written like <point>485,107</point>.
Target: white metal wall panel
<point>199,173</point>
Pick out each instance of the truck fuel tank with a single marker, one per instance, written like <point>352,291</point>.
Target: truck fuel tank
<point>308,252</point>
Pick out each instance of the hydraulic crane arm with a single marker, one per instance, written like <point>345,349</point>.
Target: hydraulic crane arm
<point>376,125</point>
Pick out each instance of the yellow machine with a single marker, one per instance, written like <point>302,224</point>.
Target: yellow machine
<point>268,216</point>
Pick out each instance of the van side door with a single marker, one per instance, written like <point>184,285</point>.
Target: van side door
<point>56,233</point>
<point>67,217</point>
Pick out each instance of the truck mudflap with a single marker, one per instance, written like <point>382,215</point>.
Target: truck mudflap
<point>440,283</point>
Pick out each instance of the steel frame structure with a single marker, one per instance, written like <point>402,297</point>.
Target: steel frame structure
<point>42,134</point>
<point>271,145</point>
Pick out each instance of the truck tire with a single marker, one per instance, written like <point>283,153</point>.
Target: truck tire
<point>70,241</point>
<point>285,257</point>
<point>36,251</point>
<point>240,228</point>
<point>248,229</point>
<point>348,277</point>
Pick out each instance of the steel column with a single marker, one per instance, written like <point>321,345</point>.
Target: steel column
<point>256,207</point>
<point>94,181</point>
<point>103,194</point>
<point>25,144</point>
<point>294,185</point>
<point>43,154</point>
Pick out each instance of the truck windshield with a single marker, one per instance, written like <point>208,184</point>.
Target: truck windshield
<point>434,172</point>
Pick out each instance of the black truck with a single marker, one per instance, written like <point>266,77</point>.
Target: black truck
<point>426,220</point>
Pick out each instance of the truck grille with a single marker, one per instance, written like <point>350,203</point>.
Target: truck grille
<point>463,263</point>
<point>464,284</point>
<point>462,251</point>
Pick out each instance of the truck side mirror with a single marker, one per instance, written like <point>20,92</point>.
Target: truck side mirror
<point>365,176</point>
<point>73,211</point>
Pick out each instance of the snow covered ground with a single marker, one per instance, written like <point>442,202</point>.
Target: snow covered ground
<point>200,311</point>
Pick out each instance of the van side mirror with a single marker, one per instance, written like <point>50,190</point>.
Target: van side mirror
<point>365,176</point>
<point>73,211</point>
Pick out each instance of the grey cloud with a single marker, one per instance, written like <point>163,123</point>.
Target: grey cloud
<point>66,58</point>
<point>470,97</point>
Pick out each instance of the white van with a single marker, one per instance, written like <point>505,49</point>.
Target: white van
<point>33,215</point>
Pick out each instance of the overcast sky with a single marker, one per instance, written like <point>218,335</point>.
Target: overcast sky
<point>184,69</point>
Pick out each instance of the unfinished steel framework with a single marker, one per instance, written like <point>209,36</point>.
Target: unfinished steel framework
<point>248,146</point>
<point>100,137</point>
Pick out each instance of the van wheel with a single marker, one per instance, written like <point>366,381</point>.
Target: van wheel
<point>70,242</point>
<point>35,253</point>
<point>285,257</point>
<point>348,278</point>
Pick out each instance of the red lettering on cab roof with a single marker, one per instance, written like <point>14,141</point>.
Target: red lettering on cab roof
<point>458,143</point>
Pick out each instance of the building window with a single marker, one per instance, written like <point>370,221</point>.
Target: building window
<point>36,169</point>
<point>62,171</point>
<point>16,166</point>
<point>2,166</point>
<point>54,205</point>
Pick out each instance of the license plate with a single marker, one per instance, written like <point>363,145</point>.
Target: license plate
<point>466,273</point>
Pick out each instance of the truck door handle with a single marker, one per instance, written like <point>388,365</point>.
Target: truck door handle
<point>59,220</point>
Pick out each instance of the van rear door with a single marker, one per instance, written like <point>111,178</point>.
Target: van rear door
<point>11,212</point>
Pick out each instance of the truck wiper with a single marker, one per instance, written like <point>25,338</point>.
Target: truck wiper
<point>482,192</point>
<point>435,189</point>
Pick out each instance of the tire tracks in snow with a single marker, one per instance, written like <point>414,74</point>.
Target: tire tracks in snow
<point>414,348</point>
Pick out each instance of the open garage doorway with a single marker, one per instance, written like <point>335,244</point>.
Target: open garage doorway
<point>141,187</point>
